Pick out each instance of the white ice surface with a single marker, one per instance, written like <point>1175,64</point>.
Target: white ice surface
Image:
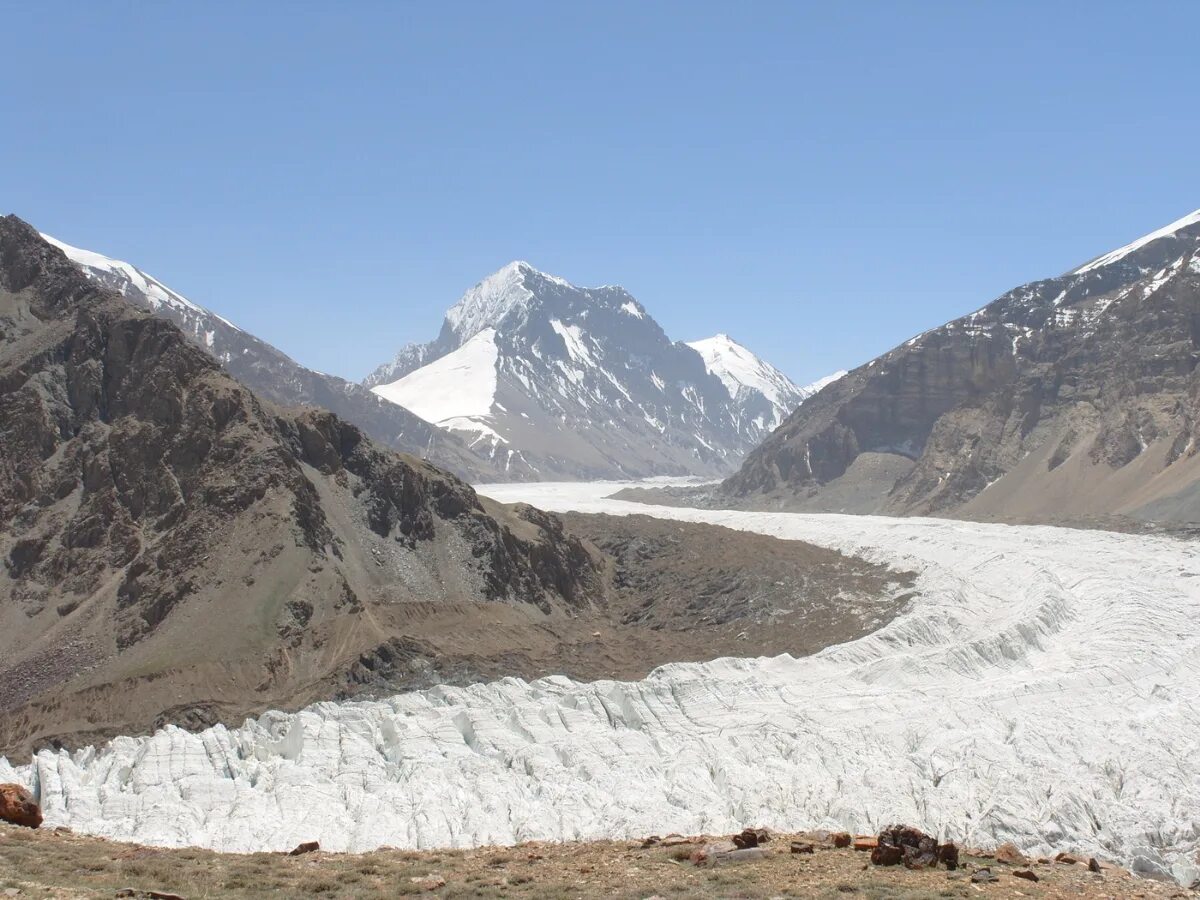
<point>1041,688</point>
<point>454,388</point>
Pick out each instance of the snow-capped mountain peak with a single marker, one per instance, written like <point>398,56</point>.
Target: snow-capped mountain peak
<point>488,303</point>
<point>739,369</point>
<point>753,383</point>
<point>554,380</point>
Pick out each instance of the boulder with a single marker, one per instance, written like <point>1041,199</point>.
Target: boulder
<point>1027,874</point>
<point>306,847</point>
<point>802,847</point>
<point>841,839</point>
<point>887,855</point>
<point>1008,854</point>
<point>18,807</point>
<point>908,845</point>
<point>751,838</point>
<point>948,855</point>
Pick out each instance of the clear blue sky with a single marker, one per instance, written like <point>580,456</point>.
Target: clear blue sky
<point>819,180</point>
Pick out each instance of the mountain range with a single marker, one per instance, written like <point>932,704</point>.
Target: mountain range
<point>530,378</point>
<point>1072,398</point>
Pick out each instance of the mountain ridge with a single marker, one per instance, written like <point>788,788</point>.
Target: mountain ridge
<point>273,373</point>
<point>1068,398</point>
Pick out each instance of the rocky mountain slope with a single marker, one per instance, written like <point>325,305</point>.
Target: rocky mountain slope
<point>550,380</point>
<point>272,374</point>
<point>1072,398</point>
<point>175,549</point>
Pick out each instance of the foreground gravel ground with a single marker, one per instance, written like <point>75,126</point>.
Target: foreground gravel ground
<point>46,863</point>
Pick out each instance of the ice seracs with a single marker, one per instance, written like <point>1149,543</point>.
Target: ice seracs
<point>1039,690</point>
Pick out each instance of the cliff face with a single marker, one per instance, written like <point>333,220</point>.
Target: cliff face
<point>176,549</point>
<point>1072,397</point>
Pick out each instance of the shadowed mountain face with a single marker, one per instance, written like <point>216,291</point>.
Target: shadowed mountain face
<point>550,380</point>
<point>274,375</point>
<point>175,549</point>
<point>1071,398</point>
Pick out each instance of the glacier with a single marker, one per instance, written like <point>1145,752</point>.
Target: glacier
<point>1041,688</point>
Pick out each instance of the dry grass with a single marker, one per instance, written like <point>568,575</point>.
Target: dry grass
<point>49,864</point>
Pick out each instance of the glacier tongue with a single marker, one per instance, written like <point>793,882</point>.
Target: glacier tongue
<point>1040,689</point>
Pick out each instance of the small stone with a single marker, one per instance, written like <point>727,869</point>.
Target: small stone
<point>841,839</point>
<point>708,854</point>
<point>801,847</point>
<point>1066,859</point>
<point>674,840</point>
<point>306,847</point>
<point>1027,874</point>
<point>984,876</point>
<point>428,882</point>
<point>1093,866</point>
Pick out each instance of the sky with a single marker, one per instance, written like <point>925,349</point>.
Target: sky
<point>821,181</point>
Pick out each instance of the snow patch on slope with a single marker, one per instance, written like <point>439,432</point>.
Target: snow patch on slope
<point>455,390</point>
<point>1121,252</point>
<point>1039,689</point>
<point>123,276</point>
<point>809,389</point>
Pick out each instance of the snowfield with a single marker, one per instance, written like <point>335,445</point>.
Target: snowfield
<point>1042,688</point>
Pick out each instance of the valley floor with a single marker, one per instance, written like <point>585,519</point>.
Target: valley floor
<point>46,864</point>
